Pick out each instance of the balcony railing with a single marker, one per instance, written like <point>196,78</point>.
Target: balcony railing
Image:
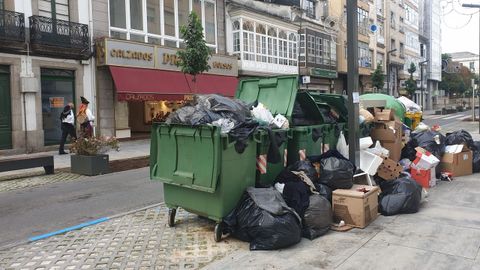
<point>59,38</point>
<point>12,30</point>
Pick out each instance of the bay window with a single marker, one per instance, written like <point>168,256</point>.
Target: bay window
<point>159,21</point>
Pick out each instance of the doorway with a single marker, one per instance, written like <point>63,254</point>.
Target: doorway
<point>5,109</point>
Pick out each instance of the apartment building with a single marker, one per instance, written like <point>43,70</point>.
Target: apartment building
<point>137,78</point>
<point>45,51</point>
<point>395,54</point>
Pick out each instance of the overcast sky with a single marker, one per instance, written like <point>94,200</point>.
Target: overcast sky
<point>458,34</point>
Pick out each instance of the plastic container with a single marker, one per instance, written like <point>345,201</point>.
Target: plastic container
<point>201,170</point>
<point>414,118</point>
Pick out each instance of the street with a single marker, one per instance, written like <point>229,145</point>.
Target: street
<point>34,211</point>
<point>448,119</point>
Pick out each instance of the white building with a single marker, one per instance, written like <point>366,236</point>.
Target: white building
<point>467,59</point>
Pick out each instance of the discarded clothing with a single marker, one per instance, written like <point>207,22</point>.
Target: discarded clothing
<point>302,176</point>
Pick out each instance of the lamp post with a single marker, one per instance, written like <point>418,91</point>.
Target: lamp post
<point>421,81</point>
<point>388,71</point>
<point>478,89</point>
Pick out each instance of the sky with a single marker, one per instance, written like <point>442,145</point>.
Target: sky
<point>459,32</point>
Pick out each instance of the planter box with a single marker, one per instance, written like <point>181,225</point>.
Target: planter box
<point>89,165</point>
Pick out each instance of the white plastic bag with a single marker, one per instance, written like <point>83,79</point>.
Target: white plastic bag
<point>262,114</point>
<point>342,145</point>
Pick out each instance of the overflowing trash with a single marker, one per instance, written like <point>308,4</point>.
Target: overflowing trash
<point>314,187</point>
<point>264,219</point>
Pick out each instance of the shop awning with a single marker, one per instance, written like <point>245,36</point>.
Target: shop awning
<point>148,84</point>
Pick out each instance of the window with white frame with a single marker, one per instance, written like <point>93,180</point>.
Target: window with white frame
<point>311,53</point>
<point>261,42</point>
<point>381,32</point>
<point>159,21</point>
<point>318,50</point>
<point>412,41</point>
<point>309,7</point>
<point>302,48</point>
<point>321,50</point>
<point>412,16</point>
<point>380,60</point>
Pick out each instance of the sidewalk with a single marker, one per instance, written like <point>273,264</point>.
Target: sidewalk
<point>445,234</point>
<point>128,149</point>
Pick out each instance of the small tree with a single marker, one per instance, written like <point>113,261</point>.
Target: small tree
<point>410,84</point>
<point>193,59</point>
<point>378,78</point>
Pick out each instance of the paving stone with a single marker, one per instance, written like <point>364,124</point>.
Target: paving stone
<point>37,180</point>
<point>137,241</point>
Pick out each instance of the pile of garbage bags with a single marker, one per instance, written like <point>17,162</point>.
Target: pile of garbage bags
<point>299,204</point>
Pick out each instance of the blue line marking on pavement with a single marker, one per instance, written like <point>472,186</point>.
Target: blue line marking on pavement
<point>76,227</point>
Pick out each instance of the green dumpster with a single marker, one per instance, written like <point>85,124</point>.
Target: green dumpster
<point>280,95</point>
<point>200,169</point>
<point>392,103</point>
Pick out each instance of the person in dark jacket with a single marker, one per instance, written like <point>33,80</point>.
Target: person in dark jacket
<point>67,117</point>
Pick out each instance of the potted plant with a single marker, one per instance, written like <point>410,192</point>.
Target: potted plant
<point>90,158</point>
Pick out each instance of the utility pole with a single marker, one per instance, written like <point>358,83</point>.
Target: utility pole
<point>352,82</point>
<point>477,6</point>
<point>421,81</point>
<point>388,72</point>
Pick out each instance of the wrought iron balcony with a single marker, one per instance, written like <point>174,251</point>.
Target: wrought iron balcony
<point>12,30</point>
<point>59,38</point>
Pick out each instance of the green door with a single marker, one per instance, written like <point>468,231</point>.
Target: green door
<point>57,91</point>
<point>5,109</point>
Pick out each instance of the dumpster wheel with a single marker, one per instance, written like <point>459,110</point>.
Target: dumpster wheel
<point>218,232</point>
<point>171,216</point>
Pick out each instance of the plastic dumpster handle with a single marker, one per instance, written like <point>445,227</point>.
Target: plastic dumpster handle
<point>188,175</point>
<point>257,137</point>
<point>270,82</point>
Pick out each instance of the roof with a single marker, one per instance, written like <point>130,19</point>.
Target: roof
<point>461,55</point>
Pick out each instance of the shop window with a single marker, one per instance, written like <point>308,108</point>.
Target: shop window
<point>158,111</point>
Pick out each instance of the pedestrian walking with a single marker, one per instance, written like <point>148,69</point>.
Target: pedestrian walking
<point>67,117</point>
<point>85,118</point>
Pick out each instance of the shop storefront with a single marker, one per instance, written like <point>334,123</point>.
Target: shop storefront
<point>142,83</point>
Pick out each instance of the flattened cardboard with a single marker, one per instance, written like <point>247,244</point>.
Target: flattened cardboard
<point>355,208</point>
<point>459,164</point>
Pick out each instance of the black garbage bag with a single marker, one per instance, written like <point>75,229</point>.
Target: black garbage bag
<point>234,109</point>
<point>263,218</point>
<point>305,166</point>
<point>324,191</point>
<point>427,140</point>
<point>460,137</point>
<point>476,158</point>
<point>399,196</point>
<point>300,118</point>
<point>318,217</point>
<point>335,170</point>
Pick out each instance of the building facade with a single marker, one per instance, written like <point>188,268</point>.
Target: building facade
<point>431,31</point>
<point>137,77</point>
<point>45,52</point>
<point>467,59</point>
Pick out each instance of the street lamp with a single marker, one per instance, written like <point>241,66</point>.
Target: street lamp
<point>478,89</point>
<point>388,71</point>
<point>421,81</point>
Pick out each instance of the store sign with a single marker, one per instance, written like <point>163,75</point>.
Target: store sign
<point>122,53</point>
<point>131,54</point>
<point>56,102</point>
<point>324,73</point>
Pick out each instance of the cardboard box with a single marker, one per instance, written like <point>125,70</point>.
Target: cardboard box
<point>424,160</point>
<point>459,164</point>
<point>423,177</point>
<point>389,169</point>
<point>390,136</point>
<point>384,115</point>
<point>355,208</point>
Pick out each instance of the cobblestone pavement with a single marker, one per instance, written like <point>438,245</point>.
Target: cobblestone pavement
<point>8,183</point>
<point>141,240</point>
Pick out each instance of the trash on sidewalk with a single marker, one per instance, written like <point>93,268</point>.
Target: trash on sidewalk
<point>335,170</point>
<point>263,218</point>
<point>400,196</point>
<point>384,115</point>
<point>476,158</point>
<point>357,206</point>
<point>389,169</point>
<point>457,160</point>
<point>367,116</point>
<point>460,137</point>
<point>317,218</point>
<point>409,104</point>
<point>390,136</point>
<point>342,145</point>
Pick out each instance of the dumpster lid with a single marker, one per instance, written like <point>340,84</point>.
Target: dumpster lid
<point>337,102</point>
<point>276,93</point>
